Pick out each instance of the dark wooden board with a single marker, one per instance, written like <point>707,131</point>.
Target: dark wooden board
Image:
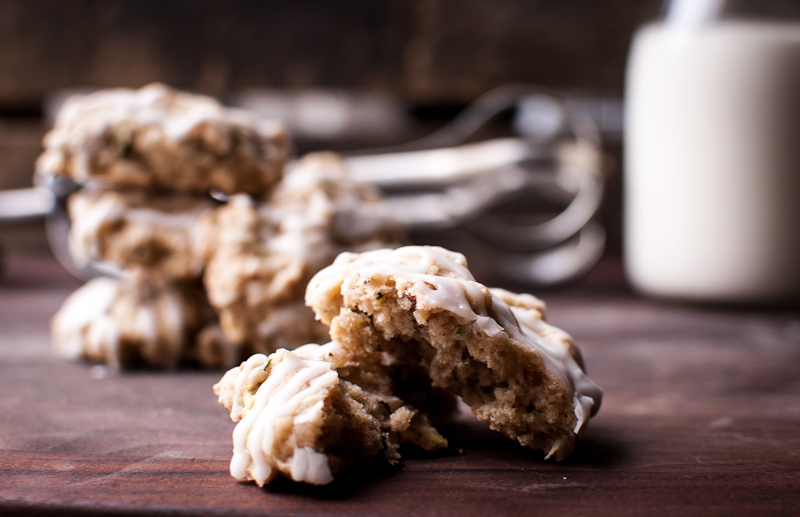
<point>440,51</point>
<point>700,416</point>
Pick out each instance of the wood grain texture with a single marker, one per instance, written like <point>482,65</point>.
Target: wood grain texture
<point>700,417</point>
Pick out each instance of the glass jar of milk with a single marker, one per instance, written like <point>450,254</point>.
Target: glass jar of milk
<point>712,153</point>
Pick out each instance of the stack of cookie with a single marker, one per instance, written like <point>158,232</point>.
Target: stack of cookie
<point>411,314</point>
<point>211,239</point>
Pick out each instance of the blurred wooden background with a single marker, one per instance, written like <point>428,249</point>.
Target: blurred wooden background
<point>435,54</point>
<point>425,50</point>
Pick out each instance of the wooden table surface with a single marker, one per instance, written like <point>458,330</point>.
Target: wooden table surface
<point>701,415</point>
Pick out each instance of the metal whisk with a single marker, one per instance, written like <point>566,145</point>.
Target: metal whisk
<point>481,198</point>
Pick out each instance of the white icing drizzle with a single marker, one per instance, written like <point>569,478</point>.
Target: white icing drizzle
<point>91,324</point>
<point>551,342</point>
<point>148,327</point>
<point>457,292</point>
<point>317,203</point>
<point>183,220</point>
<point>117,111</point>
<point>171,321</point>
<point>102,340</point>
<point>310,466</point>
<point>238,409</point>
<point>440,280</point>
<point>301,235</point>
<point>294,389</point>
<point>83,319</point>
<point>89,216</point>
<point>86,220</point>
<point>322,185</point>
<point>283,318</point>
<point>313,351</point>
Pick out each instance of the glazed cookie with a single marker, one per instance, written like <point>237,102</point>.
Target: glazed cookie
<point>314,413</point>
<point>157,137</point>
<point>138,230</point>
<point>262,255</point>
<point>421,304</point>
<point>139,320</point>
<point>319,193</point>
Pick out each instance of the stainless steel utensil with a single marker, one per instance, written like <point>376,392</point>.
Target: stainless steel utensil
<point>440,184</point>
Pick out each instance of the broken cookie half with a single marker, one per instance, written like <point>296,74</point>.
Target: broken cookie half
<point>490,347</point>
<point>314,412</point>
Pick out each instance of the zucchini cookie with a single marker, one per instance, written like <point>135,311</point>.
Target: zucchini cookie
<point>157,137</point>
<point>489,347</point>
<point>140,319</point>
<point>316,412</point>
<point>136,230</point>
<point>260,256</point>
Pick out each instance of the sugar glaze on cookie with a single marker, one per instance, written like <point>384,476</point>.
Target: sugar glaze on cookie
<point>158,137</point>
<point>294,389</point>
<point>424,300</point>
<point>133,230</point>
<point>138,319</point>
<point>317,411</point>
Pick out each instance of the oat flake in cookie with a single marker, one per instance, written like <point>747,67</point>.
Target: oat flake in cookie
<point>490,347</point>
<point>157,137</point>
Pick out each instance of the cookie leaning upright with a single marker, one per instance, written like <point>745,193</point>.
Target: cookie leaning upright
<point>157,137</point>
<point>516,372</point>
<point>261,255</point>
